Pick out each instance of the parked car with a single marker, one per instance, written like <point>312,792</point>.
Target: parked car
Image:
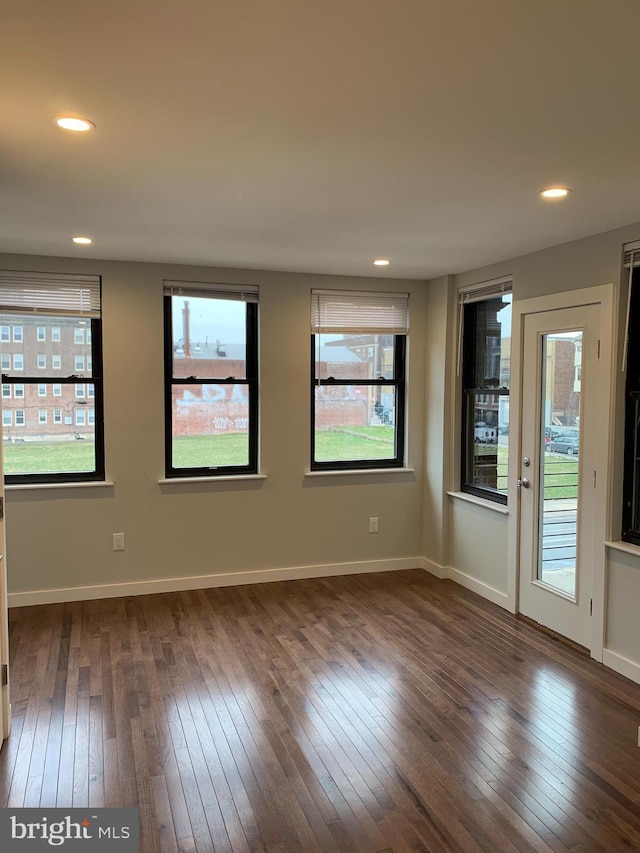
<point>484,434</point>
<point>568,444</point>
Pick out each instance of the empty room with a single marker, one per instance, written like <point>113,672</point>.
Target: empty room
<point>320,493</point>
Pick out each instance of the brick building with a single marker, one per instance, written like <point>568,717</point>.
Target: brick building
<point>33,346</point>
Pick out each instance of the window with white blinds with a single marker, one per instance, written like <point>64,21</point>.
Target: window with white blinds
<point>358,354</point>
<point>51,346</point>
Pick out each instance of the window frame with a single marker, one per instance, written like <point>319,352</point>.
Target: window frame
<point>469,390</point>
<point>398,381</point>
<point>71,297</point>
<point>250,380</point>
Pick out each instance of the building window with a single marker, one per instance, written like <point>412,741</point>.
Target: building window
<point>79,391</point>
<point>78,336</point>
<point>211,380</point>
<point>57,304</point>
<point>7,417</point>
<point>631,487</point>
<point>78,363</point>
<point>5,362</point>
<point>6,391</point>
<point>91,416</point>
<point>89,390</point>
<point>80,417</point>
<point>357,399</point>
<point>18,361</point>
<point>486,344</point>
<point>5,333</point>
<point>17,334</point>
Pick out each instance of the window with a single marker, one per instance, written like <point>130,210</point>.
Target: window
<point>6,391</point>
<point>80,417</point>
<point>486,339</point>
<point>78,336</point>
<point>50,307</point>
<point>631,487</point>
<point>211,380</point>
<point>90,390</point>
<point>357,399</point>
<point>5,333</point>
<point>18,361</point>
<point>7,417</point>
<point>17,334</point>
<point>79,391</point>
<point>5,362</point>
<point>91,416</point>
<point>78,363</point>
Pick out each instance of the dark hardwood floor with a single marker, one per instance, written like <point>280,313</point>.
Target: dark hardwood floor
<point>382,712</point>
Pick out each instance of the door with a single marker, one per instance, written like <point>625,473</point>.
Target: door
<point>560,399</point>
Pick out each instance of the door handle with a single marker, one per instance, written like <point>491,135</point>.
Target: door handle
<point>523,483</point>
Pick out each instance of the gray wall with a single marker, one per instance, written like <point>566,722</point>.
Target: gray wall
<point>61,538</point>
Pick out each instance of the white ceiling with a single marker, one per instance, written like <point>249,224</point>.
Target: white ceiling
<point>317,135</point>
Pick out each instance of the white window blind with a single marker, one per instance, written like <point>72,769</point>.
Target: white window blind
<point>480,292</point>
<point>49,293</point>
<point>358,313</point>
<point>193,289</point>
<point>632,254</point>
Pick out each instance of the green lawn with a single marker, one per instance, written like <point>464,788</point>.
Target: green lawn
<point>212,451</point>
<point>338,445</point>
<point>51,457</point>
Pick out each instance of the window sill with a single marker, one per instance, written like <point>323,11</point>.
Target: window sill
<point>483,502</point>
<point>625,547</point>
<point>231,478</point>
<point>349,472</point>
<point>85,484</point>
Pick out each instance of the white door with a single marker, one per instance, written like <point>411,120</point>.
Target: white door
<point>562,390</point>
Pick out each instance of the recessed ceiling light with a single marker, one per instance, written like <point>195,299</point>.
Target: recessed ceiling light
<point>82,241</point>
<point>555,192</point>
<point>381,262</point>
<point>78,125</point>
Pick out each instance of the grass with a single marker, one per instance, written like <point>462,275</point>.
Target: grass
<point>339,445</point>
<point>50,457</point>
<point>211,451</point>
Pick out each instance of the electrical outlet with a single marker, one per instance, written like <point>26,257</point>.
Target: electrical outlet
<point>373,525</point>
<point>118,541</point>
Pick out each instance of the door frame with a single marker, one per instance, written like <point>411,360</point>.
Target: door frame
<point>604,296</point>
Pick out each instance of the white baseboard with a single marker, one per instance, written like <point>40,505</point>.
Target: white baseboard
<point>116,590</point>
<point>621,664</point>
<point>475,585</point>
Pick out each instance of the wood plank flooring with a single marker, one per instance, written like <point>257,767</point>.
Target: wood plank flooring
<point>383,712</point>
